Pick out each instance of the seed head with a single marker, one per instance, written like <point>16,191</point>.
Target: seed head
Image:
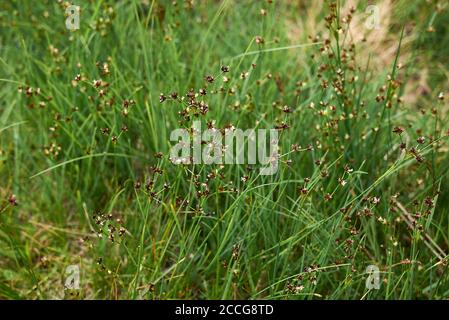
<point>287,109</point>
<point>209,78</point>
<point>398,130</point>
<point>13,200</point>
<point>97,83</point>
<point>260,40</point>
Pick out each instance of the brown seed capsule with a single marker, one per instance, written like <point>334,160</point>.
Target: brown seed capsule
<point>209,78</point>
<point>29,91</point>
<point>421,140</point>
<point>191,94</point>
<point>149,184</point>
<point>225,68</point>
<point>97,83</point>
<point>282,126</point>
<point>398,130</point>
<point>260,40</point>
<point>287,109</point>
<point>13,200</point>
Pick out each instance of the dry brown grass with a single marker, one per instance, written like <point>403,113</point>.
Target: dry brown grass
<point>379,45</point>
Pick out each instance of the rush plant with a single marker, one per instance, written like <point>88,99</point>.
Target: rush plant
<point>356,97</point>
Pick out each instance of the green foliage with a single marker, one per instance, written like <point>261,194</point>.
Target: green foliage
<point>85,175</point>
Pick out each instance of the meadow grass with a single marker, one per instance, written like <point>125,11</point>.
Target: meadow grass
<point>85,175</point>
